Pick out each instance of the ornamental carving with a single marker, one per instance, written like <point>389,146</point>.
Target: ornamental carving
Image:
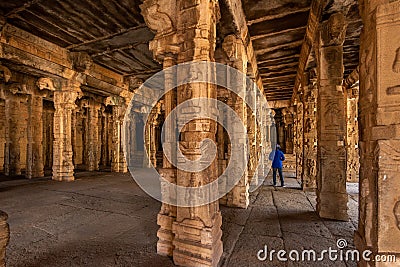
<point>45,84</point>
<point>81,61</point>
<point>334,30</point>
<point>156,17</point>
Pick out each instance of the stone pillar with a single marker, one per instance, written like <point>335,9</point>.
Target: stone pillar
<point>64,103</point>
<point>34,163</point>
<point>331,115</point>
<point>353,158</point>
<point>167,214</point>
<point>260,139</point>
<point>379,199</point>
<point>237,58</point>
<point>298,136</point>
<point>252,135</point>
<point>189,31</point>
<point>104,139</point>
<point>4,237</point>
<point>310,94</point>
<point>118,162</point>
<point>288,120</point>
<point>12,160</point>
<point>92,136</point>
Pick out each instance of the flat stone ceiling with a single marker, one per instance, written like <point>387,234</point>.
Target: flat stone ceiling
<point>113,32</point>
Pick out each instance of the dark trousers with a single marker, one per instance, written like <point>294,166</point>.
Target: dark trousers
<point>280,176</point>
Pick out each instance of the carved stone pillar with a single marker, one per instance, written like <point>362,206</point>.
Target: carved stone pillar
<point>288,119</point>
<point>64,103</point>
<point>331,115</point>
<point>379,215</point>
<point>4,237</point>
<point>92,136</point>
<point>353,158</point>
<point>252,135</point>
<point>188,30</point>
<point>104,139</point>
<point>298,137</point>
<point>310,94</point>
<point>34,164</point>
<point>167,214</point>
<point>236,57</point>
<point>12,160</point>
<point>118,162</point>
<point>260,140</point>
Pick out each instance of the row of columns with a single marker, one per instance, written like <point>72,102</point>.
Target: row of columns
<point>67,109</point>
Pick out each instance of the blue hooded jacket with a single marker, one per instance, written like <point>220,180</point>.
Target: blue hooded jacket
<point>278,158</point>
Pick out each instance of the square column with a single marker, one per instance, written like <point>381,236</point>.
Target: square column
<point>34,163</point>
<point>331,115</point>
<point>12,153</point>
<point>92,136</point>
<point>310,95</point>
<point>64,103</point>
<point>379,97</point>
<point>118,162</point>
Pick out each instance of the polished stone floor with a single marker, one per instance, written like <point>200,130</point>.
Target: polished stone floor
<point>105,219</point>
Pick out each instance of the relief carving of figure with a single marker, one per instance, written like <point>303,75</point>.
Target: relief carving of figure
<point>335,30</point>
<point>229,46</point>
<point>155,18</point>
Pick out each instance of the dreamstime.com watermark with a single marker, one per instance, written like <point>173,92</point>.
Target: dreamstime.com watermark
<point>339,253</point>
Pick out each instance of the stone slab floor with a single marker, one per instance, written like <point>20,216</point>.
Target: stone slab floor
<point>105,219</point>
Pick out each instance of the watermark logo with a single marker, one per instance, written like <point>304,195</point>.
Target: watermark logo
<point>338,253</point>
<point>189,78</point>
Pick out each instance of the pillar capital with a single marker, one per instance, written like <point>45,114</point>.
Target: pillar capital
<point>333,31</point>
<point>81,61</point>
<point>160,16</point>
<point>235,52</point>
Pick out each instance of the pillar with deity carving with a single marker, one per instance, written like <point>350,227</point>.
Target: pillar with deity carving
<point>331,115</point>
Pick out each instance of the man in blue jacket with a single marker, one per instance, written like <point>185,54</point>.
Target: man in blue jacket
<point>278,157</point>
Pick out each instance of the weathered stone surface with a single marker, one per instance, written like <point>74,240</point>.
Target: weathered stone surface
<point>331,115</point>
<point>4,237</point>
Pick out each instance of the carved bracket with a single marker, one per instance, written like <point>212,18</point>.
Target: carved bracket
<point>46,84</point>
<point>81,61</point>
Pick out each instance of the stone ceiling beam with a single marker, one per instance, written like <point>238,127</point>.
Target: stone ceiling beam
<point>277,16</point>
<point>75,46</point>
<point>317,7</point>
<point>22,8</point>
<point>38,25</point>
<point>278,60</point>
<point>239,18</point>
<point>280,47</point>
<point>272,34</point>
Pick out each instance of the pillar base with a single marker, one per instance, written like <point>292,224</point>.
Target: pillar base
<point>165,235</point>
<point>238,197</point>
<point>4,237</point>
<point>197,245</point>
<point>333,206</point>
<point>63,177</point>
